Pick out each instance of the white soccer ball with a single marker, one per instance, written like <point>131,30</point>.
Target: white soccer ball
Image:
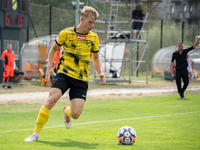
<point>126,135</point>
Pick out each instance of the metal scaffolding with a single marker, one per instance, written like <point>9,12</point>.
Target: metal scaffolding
<point>114,30</point>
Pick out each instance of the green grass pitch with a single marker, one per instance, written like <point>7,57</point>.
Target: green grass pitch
<point>161,123</point>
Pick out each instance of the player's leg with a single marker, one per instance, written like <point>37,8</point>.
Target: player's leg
<point>133,27</point>
<point>77,93</point>
<point>4,78</point>
<point>43,116</point>
<point>74,111</point>
<point>17,75</point>
<point>77,105</point>
<point>10,76</point>
<point>190,74</point>
<point>185,81</point>
<point>178,82</point>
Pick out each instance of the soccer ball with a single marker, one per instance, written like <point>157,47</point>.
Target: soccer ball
<point>126,135</point>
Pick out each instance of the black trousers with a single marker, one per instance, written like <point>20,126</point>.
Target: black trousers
<point>182,74</point>
<point>114,73</point>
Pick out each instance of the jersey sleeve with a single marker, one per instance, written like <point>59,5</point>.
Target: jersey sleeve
<point>61,38</point>
<point>95,48</point>
<point>3,55</point>
<point>189,49</point>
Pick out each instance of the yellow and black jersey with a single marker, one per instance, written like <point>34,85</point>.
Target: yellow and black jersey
<point>76,55</point>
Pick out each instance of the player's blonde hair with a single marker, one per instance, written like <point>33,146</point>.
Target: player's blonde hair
<point>88,11</point>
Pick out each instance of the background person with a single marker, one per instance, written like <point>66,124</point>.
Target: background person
<point>190,67</point>
<point>79,43</point>
<point>137,14</point>
<point>17,74</point>
<point>181,66</point>
<point>8,58</point>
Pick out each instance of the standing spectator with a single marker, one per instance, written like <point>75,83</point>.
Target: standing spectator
<point>79,45</point>
<point>8,58</point>
<point>137,14</point>
<point>181,66</point>
<point>190,67</point>
<point>17,74</point>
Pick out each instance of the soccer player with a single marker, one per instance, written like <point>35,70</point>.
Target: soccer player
<point>8,58</point>
<point>181,66</point>
<point>79,43</point>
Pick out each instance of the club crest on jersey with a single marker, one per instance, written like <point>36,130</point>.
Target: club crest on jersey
<point>81,37</point>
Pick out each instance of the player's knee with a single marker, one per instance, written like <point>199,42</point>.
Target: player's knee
<point>51,101</point>
<point>75,115</point>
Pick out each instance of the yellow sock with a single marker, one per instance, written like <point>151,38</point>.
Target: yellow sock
<point>43,116</point>
<point>67,111</point>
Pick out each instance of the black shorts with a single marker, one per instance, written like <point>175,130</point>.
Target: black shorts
<point>18,72</point>
<point>137,25</point>
<point>78,88</point>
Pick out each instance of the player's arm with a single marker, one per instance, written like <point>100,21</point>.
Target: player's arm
<point>51,57</point>
<point>97,66</point>
<point>170,67</point>
<point>172,61</point>
<point>3,60</point>
<point>195,43</point>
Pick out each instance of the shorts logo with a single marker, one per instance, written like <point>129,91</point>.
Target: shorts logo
<point>81,37</point>
<point>83,96</point>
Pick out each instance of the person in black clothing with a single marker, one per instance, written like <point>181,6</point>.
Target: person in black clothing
<point>17,74</point>
<point>137,14</point>
<point>181,66</point>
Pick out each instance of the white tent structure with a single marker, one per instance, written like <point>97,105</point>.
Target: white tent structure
<point>111,56</point>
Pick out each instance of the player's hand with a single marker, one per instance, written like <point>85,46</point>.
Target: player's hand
<point>103,78</point>
<point>170,71</point>
<point>198,38</point>
<point>49,71</point>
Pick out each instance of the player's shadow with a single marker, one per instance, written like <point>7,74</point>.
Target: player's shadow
<point>184,99</point>
<point>70,143</point>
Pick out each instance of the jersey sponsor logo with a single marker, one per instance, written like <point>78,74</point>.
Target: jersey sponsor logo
<point>81,37</point>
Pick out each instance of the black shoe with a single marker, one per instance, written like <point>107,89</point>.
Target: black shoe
<point>9,87</point>
<point>182,96</point>
<point>4,87</point>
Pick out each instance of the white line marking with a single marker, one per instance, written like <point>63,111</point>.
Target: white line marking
<point>107,121</point>
<point>173,106</point>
